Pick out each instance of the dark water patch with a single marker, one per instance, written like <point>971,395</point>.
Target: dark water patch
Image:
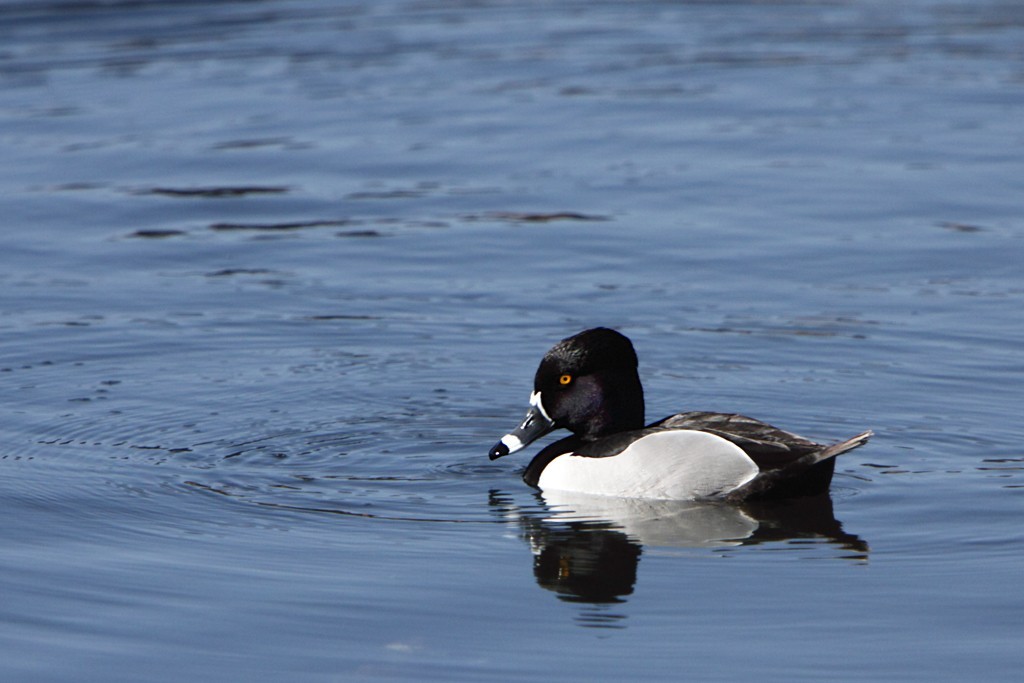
<point>231,272</point>
<point>213,192</point>
<point>407,222</point>
<point>421,189</point>
<point>386,194</point>
<point>343,316</point>
<point>360,233</point>
<point>279,227</point>
<point>526,217</point>
<point>283,143</point>
<point>953,226</point>
<point>157,233</point>
<point>78,187</point>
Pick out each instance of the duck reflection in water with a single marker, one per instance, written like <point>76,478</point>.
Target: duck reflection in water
<point>587,549</point>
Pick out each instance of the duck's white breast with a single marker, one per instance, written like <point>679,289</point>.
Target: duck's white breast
<point>680,464</point>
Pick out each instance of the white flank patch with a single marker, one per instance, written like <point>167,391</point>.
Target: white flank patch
<point>680,464</point>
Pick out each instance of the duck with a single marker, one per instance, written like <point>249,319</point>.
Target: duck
<point>589,384</point>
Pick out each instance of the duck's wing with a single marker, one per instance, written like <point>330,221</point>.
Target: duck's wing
<point>768,446</point>
<point>808,474</point>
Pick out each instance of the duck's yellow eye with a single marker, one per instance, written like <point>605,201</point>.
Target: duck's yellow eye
<point>565,379</point>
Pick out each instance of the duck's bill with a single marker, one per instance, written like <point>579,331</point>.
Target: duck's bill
<point>535,425</point>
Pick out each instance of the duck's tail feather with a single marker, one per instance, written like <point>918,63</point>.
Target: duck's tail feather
<point>840,448</point>
<point>767,479</point>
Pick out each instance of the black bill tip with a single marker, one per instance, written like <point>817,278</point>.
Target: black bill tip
<point>500,450</point>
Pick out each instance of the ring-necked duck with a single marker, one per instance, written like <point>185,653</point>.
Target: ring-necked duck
<point>588,384</point>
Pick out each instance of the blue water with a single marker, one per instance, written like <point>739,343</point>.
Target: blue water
<point>275,275</point>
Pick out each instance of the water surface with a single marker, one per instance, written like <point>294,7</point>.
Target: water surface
<point>275,275</point>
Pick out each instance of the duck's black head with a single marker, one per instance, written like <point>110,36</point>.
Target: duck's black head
<point>588,384</point>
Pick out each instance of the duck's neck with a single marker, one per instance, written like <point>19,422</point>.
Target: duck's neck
<point>622,409</point>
